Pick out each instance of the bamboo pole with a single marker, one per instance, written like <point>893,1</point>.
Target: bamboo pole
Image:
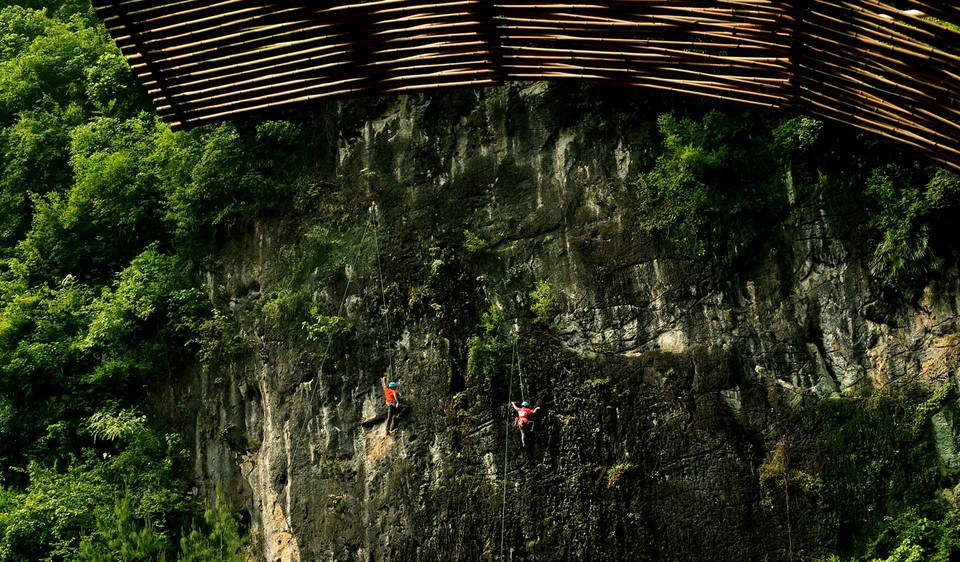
<point>887,69</point>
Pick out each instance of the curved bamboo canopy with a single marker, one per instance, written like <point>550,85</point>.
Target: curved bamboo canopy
<point>888,67</point>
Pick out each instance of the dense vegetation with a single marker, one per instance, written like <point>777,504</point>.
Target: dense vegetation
<point>720,187</point>
<point>106,215</point>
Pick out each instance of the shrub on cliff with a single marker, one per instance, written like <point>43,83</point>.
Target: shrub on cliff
<point>716,185</point>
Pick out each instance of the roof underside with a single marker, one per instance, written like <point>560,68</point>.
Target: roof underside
<point>888,67</point>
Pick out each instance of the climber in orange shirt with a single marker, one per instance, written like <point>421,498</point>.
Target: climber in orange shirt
<point>392,399</point>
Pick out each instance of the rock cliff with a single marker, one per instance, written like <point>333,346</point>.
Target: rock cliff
<point>687,413</point>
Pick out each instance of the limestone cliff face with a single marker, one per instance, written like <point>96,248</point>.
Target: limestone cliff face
<point>671,395</point>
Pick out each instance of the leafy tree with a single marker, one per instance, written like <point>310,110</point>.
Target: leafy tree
<point>101,209</point>
<point>542,302</point>
<point>46,521</point>
<point>906,203</point>
<point>123,537</point>
<point>910,537</point>
<point>218,537</point>
<point>485,348</point>
<point>715,185</point>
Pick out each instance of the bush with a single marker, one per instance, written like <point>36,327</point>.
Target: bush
<point>905,203</point>
<point>217,537</point>
<point>542,304</point>
<point>715,187</point>
<point>909,537</point>
<point>473,243</point>
<point>484,348</point>
<point>123,537</point>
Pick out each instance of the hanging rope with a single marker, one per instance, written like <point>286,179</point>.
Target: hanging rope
<point>786,494</point>
<point>343,299</point>
<point>516,352</point>
<point>515,360</point>
<point>375,212</point>
<point>346,288</point>
<point>506,438</point>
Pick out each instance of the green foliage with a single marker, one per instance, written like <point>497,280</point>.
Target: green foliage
<point>865,460</point>
<point>482,353</point>
<point>54,73</point>
<point>937,401</point>
<point>417,294</point>
<point>320,327</point>
<point>109,88</point>
<point>324,253</point>
<point>45,521</point>
<point>597,382</point>
<point>473,243</point>
<point>111,427</point>
<point>49,62</point>
<point>916,524</point>
<point>218,336</point>
<point>211,178</point>
<point>218,537</point>
<point>617,471</point>
<point>777,475</point>
<point>485,348</point>
<point>152,285</point>
<point>715,186</point>
<point>723,180</point>
<point>102,212</point>
<point>909,537</point>
<point>34,158</point>
<point>797,134</point>
<point>491,321</point>
<point>905,204</point>
<point>542,304</point>
<point>123,537</point>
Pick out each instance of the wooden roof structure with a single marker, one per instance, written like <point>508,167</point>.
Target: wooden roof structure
<point>890,67</point>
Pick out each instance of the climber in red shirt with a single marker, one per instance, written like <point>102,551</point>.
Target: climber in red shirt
<point>524,422</point>
<point>392,398</point>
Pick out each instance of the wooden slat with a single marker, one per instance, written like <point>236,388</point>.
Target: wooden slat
<point>882,66</point>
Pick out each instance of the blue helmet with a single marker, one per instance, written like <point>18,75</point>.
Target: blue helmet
<point>525,404</point>
<point>392,385</point>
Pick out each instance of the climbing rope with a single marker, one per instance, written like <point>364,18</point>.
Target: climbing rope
<point>516,352</point>
<point>506,439</point>
<point>343,300</point>
<point>515,361</point>
<point>786,494</point>
<point>375,212</point>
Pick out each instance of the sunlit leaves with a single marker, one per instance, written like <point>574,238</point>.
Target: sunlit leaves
<point>47,61</point>
<point>101,209</point>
